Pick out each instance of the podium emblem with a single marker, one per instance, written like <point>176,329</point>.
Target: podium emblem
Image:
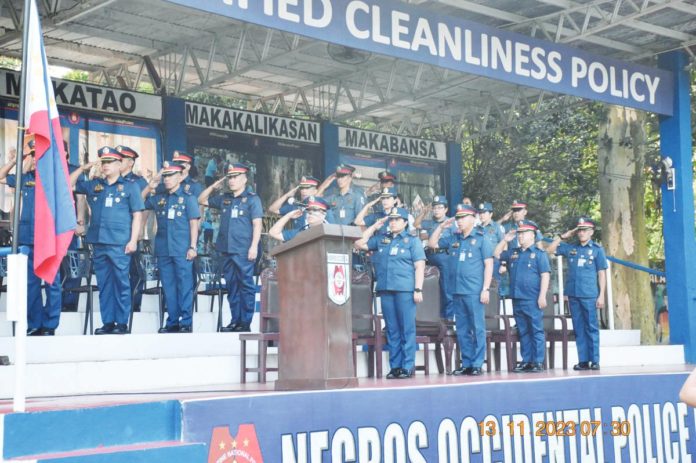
<point>338,273</point>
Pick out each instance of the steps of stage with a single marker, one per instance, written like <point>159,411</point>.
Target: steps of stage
<point>147,432</point>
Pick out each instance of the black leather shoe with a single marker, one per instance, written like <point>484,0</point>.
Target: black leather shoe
<point>169,329</point>
<point>594,366</point>
<point>461,371</point>
<point>120,329</point>
<point>582,366</point>
<point>34,332</point>
<point>405,374</point>
<point>242,328</point>
<point>185,329</point>
<point>535,368</point>
<point>394,373</point>
<point>48,332</point>
<point>475,371</point>
<point>108,328</point>
<point>229,328</point>
<point>522,366</point>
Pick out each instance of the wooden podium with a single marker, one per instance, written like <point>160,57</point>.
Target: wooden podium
<point>315,350</point>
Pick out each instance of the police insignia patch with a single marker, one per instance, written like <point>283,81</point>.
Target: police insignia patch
<point>244,200</point>
<point>187,188</point>
<point>30,183</point>
<point>98,188</point>
<point>227,202</point>
<point>181,200</point>
<point>405,240</point>
<point>161,202</point>
<point>473,241</point>
<point>119,188</point>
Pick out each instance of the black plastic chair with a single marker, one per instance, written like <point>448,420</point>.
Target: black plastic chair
<point>148,272</point>
<point>77,264</point>
<point>209,273</point>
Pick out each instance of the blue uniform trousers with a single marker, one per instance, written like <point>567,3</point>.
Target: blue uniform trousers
<point>40,315</point>
<point>584,314</point>
<point>177,284</point>
<point>470,321</point>
<point>239,276</point>
<point>111,266</point>
<point>530,327</point>
<point>399,311</point>
<point>446,305</point>
<point>138,291</point>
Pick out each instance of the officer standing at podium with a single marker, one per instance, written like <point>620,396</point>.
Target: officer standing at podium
<point>345,199</point>
<point>471,266</point>
<point>400,270</point>
<point>584,286</point>
<point>113,231</point>
<point>315,211</point>
<point>241,216</point>
<point>42,320</point>
<point>177,215</point>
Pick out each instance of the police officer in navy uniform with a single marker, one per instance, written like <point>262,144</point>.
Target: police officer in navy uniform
<point>529,280</point>
<point>438,257</point>
<point>315,209</point>
<point>493,232</point>
<point>287,203</point>
<point>387,201</point>
<point>584,286</point>
<point>345,199</point>
<point>117,208</point>
<point>400,270</point>
<point>127,163</point>
<point>188,182</point>
<point>42,320</point>
<point>387,179</point>
<point>471,266</point>
<point>177,215</point>
<point>241,215</point>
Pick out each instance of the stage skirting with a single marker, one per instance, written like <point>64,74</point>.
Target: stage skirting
<point>629,418</point>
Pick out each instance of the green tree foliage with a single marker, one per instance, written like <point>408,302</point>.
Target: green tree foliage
<point>550,162</point>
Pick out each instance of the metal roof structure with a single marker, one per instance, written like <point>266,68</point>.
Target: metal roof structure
<point>180,51</point>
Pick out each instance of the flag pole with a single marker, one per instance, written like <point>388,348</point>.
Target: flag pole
<point>15,262</point>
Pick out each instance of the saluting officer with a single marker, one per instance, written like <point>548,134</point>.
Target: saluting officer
<point>400,269</point>
<point>584,286</point>
<point>529,280</point>
<point>188,182</point>
<point>113,231</point>
<point>177,215</point>
<point>127,163</point>
<point>241,217</point>
<point>346,200</point>
<point>315,212</point>
<point>287,203</point>
<point>387,200</point>
<point>438,256</point>
<point>387,179</point>
<point>42,320</point>
<point>518,211</point>
<point>471,266</point>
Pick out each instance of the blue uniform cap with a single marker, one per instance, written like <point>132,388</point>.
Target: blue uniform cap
<point>180,156</point>
<point>108,154</point>
<point>171,170</point>
<point>317,202</point>
<point>585,223</point>
<point>516,204</point>
<point>439,200</point>
<point>386,176</point>
<point>389,192</point>
<point>527,225</point>
<point>344,169</point>
<point>464,210</point>
<point>309,182</point>
<point>127,152</point>
<point>398,213</point>
<point>237,168</point>
<point>485,207</point>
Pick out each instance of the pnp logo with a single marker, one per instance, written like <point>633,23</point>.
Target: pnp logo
<point>242,448</point>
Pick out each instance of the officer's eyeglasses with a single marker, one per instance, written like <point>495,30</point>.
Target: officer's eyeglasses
<point>316,211</point>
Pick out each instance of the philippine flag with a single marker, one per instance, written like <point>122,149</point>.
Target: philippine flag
<point>54,216</point>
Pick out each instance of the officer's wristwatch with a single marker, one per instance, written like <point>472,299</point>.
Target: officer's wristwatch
<point>418,290</point>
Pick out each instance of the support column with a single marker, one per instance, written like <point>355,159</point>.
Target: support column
<point>454,175</point>
<point>678,210</point>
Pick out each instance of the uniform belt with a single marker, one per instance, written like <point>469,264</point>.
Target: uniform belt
<point>430,251</point>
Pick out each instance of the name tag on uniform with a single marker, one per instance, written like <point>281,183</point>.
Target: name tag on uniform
<point>393,251</point>
<point>581,262</point>
<point>235,213</point>
<point>171,214</point>
<point>109,202</point>
<point>342,213</point>
<point>462,256</point>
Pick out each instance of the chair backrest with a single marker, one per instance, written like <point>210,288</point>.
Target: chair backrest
<point>550,310</point>
<point>148,270</point>
<point>77,264</point>
<point>493,308</point>
<point>361,301</point>
<point>270,302</point>
<point>428,311</point>
<point>208,270</point>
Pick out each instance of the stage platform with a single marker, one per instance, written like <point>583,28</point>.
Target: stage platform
<point>435,418</point>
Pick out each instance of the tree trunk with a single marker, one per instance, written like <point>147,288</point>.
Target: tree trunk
<point>621,186</point>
